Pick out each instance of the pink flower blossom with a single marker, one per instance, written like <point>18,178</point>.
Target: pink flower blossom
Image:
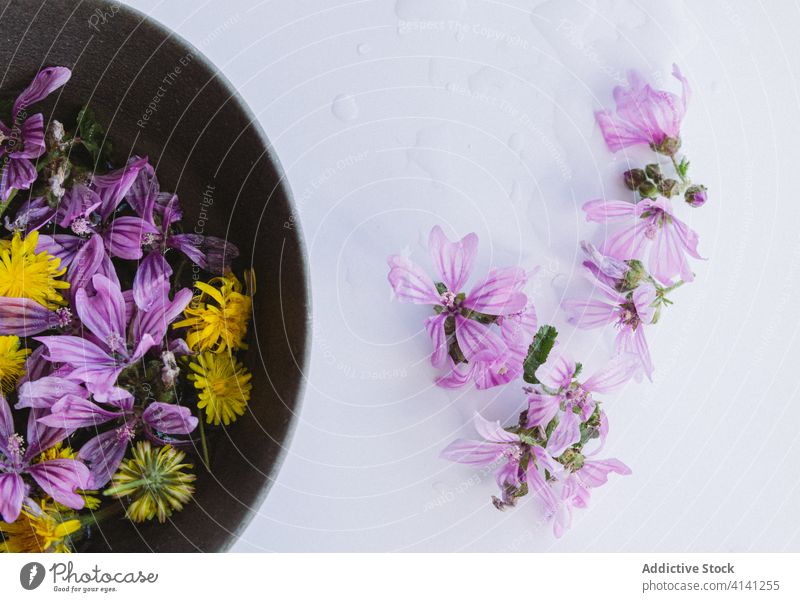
<point>506,450</point>
<point>651,229</point>
<point>498,295</point>
<point>488,369</point>
<point>645,115</point>
<point>561,394</point>
<point>627,312</point>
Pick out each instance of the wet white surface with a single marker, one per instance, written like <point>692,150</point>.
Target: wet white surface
<point>390,117</point>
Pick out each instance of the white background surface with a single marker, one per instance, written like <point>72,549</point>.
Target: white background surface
<point>482,120</point>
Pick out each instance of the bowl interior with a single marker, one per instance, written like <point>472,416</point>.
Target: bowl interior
<point>159,97</point>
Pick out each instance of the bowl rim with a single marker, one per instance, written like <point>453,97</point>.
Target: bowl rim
<point>304,360</point>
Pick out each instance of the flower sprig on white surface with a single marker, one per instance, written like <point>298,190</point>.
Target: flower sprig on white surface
<point>490,335</point>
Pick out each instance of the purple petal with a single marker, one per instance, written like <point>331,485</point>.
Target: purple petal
<point>557,372</point>
<point>143,192</point>
<point>79,201</point>
<point>499,294</point>
<point>476,453</point>
<point>595,472</point>
<point>152,281</point>
<point>63,246</point>
<point>538,486</point>
<point>434,325</point>
<point>89,363</point>
<point>565,435</point>
<point>492,431</point>
<point>123,238</point>
<point>40,436</point>
<point>156,321</point>
<point>113,186</point>
<point>603,211</point>
<point>32,138</point>
<point>60,478</point>
<point>630,341</point>
<point>86,264</point>
<point>169,418</point>
<point>45,82</point>
<point>209,252</point>
<point>12,491</point>
<point>103,454</point>
<point>25,317</point>
<point>44,392</point>
<point>617,372</point>
<point>474,337</point>
<point>104,313</point>
<point>410,282</point>
<point>542,409</point>
<point>73,412</point>
<point>17,174</point>
<point>589,314</point>
<point>618,134</point>
<point>6,421</point>
<point>453,260</point>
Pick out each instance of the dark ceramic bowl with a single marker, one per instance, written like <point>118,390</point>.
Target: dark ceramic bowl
<point>208,147</point>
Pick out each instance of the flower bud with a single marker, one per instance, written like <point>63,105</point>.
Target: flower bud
<point>653,171</point>
<point>669,146</point>
<point>648,190</point>
<point>635,274</point>
<point>634,178</point>
<point>696,196</point>
<point>668,187</point>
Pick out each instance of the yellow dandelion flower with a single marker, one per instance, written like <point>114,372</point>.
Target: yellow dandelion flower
<point>217,318</point>
<point>12,362</point>
<point>64,452</point>
<point>42,529</point>
<point>224,385</point>
<point>154,481</point>
<point>26,273</point>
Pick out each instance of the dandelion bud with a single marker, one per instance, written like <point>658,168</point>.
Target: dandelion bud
<point>634,178</point>
<point>696,196</point>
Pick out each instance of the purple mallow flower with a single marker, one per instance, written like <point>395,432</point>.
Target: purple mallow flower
<point>650,229</point>
<point>116,337</point>
<point>628,312</point>
<point>104,452</point>
<point>58,478</point>
<point>506,450</point>
<point>22,140</point>
<point>498,297</point>
<point>489,369</point>
<point>162,211</point>
<point>560,394</point>
<point>645,115</point>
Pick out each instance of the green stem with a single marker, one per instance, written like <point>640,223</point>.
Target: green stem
<point>95,518</point>
<point>203,444</point>
<point>677,285</point>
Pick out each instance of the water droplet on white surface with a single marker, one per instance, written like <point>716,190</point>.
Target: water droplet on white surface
<point>363,49</point>
<point>516,142</point>
<point>344,107</point>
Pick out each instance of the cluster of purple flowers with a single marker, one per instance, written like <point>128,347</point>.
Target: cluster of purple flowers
<point>490,335</point>
<point>102,360</point>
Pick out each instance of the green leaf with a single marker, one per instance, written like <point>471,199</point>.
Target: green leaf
<point>92,135</point>
<point>441,288</point>
<point>683,167</point>
<point>538,351</point>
